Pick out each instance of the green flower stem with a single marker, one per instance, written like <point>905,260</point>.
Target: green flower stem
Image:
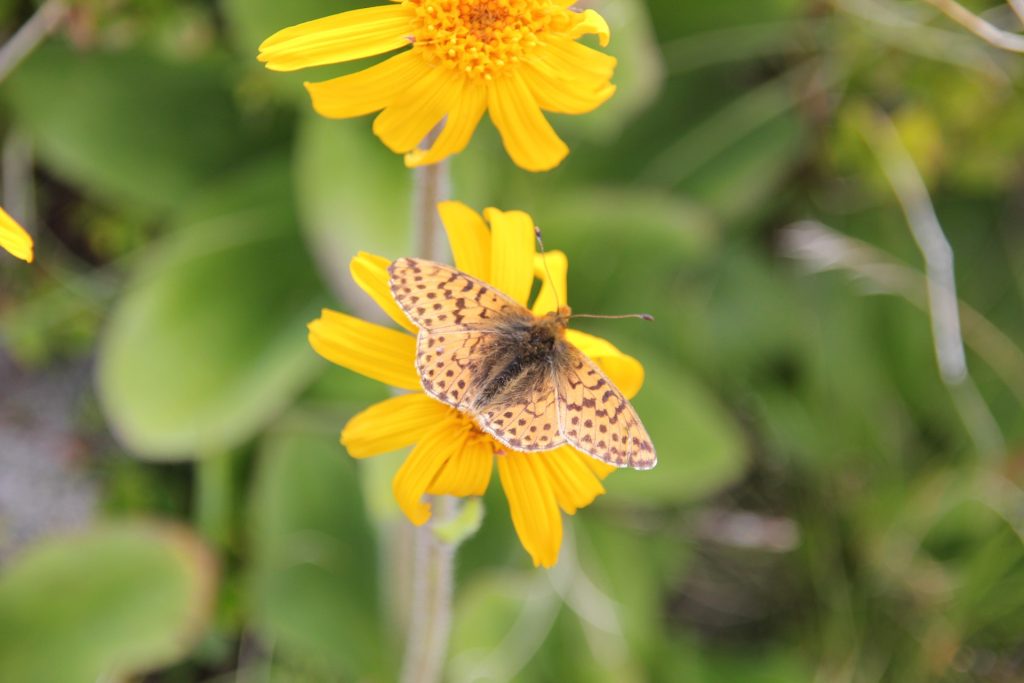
<point>432,185</point>
<point>430,604</point>
<point>431,613</point>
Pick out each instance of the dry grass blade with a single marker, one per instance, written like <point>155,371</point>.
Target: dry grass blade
<point>992,35</point>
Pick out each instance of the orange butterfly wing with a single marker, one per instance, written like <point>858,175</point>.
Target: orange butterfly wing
<point>530,422</point>
<point>596,418</point>
<point>459,347</point>
<point>448,364</point>
<point>463,340</point>
<point>439,297</point>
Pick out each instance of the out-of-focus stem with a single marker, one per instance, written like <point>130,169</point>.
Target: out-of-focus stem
<point>430,602</point>
<point>910,189</point>
<point>431,187</point>
<point>1018,9</point>
<point>431,609</point>
<point>41,24</point>
<point>972,22</point>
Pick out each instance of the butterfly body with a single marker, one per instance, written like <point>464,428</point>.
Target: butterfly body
<point>515,373</point>
<point>523,352</point>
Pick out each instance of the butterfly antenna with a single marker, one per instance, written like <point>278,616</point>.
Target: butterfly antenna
<point>640,316</point>
<point>544,260</point>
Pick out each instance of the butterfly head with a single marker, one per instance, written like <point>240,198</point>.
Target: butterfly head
<point>560,317</point>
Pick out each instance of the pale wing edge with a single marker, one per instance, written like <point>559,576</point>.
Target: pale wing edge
<point>563,410</point>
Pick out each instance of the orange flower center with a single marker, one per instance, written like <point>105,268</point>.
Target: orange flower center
<point>483,37</point>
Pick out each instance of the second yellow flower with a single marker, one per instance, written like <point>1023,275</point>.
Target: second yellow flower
<point>513,58</point>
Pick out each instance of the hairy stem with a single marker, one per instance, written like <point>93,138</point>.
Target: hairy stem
<point>430,602</point>
<point>431,613</point>
<point>431,186</point>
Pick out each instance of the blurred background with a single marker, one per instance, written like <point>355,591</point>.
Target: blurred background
<point>839,494</point>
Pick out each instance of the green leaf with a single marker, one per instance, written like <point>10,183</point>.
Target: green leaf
<point>353,195</point>
<point>735,159</point>
<point>700,447</point>
<point>502,620</point>
<point>464,525</point>
<point>313,571</point>
<point>608,554</point>
<point>209,341</point>
<point>105,605</point>
<point>674,19</point>
<point>605,227</point>
<point>127,126</point>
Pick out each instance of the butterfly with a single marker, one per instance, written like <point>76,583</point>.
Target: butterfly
<point>513,372</point>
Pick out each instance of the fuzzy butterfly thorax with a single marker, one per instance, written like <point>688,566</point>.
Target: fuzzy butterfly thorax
<point>521,354</point>
<point>514,373</point>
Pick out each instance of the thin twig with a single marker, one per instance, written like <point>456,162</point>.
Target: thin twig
<point>910,190</point>
<point>992,35</point>
<point>41,24</point>
<point>1018,9</point>
<point>901,28</point>
<point>821,248</point>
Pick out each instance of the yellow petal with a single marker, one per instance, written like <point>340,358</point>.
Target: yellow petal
<point>458,129</point>
<point>553,292</point>
<point>469,238</point>
<point>533,505</point>
<point>392,424</point>
<point>339,38</point>
<point>468,472</point>
<point>528,137</point>
<point>592,22</point>
<point>564,94</point>
<point>423,465</point>
<point>371,273</point>
<point>377,352</point>
<point>593,346</point>
<point>600,469</point>
<point>14,239</point>
<point>512,251</point>
<point>564,56</point>
<point>369,90</point>
<point>404,124</point>
<point>624,371</point>
<point>574,484</point>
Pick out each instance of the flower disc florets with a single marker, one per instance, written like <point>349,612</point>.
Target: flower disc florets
<point>481,37</point>
<point>456,60</point>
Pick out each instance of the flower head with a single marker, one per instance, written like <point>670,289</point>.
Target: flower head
<point>513,58</point>
<point>451,455</point>
<point>14,239</point>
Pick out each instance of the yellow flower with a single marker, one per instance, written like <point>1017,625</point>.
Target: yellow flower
<point>514,58</point>
<point>451,456</point>
<point>14,239</point>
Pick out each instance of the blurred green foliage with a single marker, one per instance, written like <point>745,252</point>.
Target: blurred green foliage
<point>825,508</point>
